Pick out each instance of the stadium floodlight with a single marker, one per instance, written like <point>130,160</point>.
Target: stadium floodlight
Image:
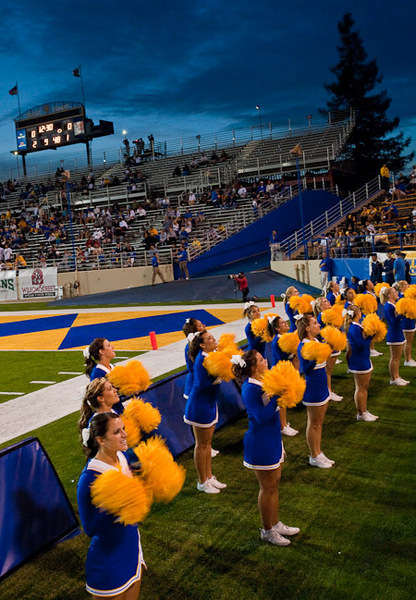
<point>124,132</point>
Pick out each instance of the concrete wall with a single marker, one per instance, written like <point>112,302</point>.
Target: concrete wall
<point>301,270</point>
<point>108,280</point>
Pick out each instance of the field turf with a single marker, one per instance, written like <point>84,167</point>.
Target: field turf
<point>357,520</point>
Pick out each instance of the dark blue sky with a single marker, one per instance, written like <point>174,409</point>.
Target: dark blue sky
<point>182,68</point>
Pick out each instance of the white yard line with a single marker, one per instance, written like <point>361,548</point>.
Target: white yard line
<point>69,372</point>
<point>45,382</point>
<point>21,415</point>
<point>12,393</point>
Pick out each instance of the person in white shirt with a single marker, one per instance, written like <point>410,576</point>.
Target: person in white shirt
<point>242,192</point>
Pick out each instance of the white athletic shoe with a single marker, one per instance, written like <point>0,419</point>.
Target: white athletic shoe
<point>366,416</point>
<point>215,483</point>
<point>320,461</point>
<point>331,462</point>
<point>410,363</point>
<point>335,397</point>
<point>207,488</point>
<point>273,537</point>
<point>290,431</point>
<point>338,361</point>
<point>214,453</point>
<point>283,529</point>
<point>399,381</point>
<point>374,352</point>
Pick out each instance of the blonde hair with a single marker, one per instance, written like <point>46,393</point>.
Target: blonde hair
<point>247,311</point>
<point>288,293</point>
<point>401,285</point>
<point>317,305</point>
<point>302,324</point>
<point>348,319</point>
<point>385,294</point>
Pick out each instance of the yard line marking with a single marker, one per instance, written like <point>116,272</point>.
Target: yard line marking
<point>121,357</point>
<point>69,372</point>
<point>42,381</point>
<point>12,393</point>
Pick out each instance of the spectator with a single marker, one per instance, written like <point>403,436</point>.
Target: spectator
<point>155,266</point>
<point>399,267</point>
<point>376,269</point>
<point>326,268</point>
<point>389,268</point>
<point>182,257</point>
<point>242,283</point>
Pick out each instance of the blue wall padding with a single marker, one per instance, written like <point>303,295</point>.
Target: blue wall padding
<point>255,238</point>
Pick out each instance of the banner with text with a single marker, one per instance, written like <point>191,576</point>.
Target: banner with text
<point>8,286</point>
<point>38,283</point>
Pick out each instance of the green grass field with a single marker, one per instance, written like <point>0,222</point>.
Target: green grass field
<point>24,367</point>
<point>357,520</point>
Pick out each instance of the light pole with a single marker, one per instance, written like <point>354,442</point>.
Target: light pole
<point>258,108</point>
<point>297,152</point>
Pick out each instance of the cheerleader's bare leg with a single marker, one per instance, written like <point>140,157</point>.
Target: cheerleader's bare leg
<point>269,496</point>
<point>362,382</point>
<point>330,363</point>
<point>316,415</point>
<point>409,335</point>
<point>202,451</point>
<point>395,355</point>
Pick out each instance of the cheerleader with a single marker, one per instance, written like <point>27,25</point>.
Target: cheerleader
<point>100,397</point>
<point>278,327</point>
<point>348,296</point>
<point>322,303</point>
<point>291,291</point>
<point>366,286</point>
<point>115,558</point>
<point>251,312</point>
<point>263,448</point>
<point>98,356</point>
<point>317,394</point>
<point>332,291</point>
<point>409,327</point>
<point>201,411</point>
<point>190,327</point>
<point>358,359</point>
<point>395,337</point>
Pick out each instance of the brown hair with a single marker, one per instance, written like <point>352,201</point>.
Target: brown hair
<point>94,357</point>
<point>241,373</point>
<point>385,294</point>
<point>288,293</point>
<point>273,326</point>
<point>195,345</point>
<point>247,311</point>
<point>302,325</point>
<point>190,326</point>
<point>90,402</point>
<point>98,428</point>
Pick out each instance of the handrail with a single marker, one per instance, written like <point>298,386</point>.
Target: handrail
<point>325,220</point>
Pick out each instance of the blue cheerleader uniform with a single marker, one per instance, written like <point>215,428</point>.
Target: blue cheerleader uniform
<point>277,352</point>
<point>331,298</point>
<point>254,342</point>
<point>291,315</point>
<point>201,407</point>
<point>115,557</point>
<point>395,336</point>
<point>322,324</point>
<point>190,375</point>
<point>263,448</point>
<point>316,393</point>
<point>358,355</point>
<point>408,324</point>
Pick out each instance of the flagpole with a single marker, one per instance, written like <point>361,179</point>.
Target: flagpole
<point>18,99</point>
<point>82,85</point>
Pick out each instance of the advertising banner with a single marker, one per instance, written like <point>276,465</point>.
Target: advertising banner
<point>8,286</point>
<point>38,283</point>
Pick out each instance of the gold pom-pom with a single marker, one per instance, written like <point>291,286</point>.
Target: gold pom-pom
<point>406,307</point>
<point>284,381</point>
<point>333,316</point>
<point>260,328</point>
<point>161,473</point>
<point>218,364</point>
<point>366,303</point>
<point>378,287</point>
<point>227,345</point>
<point>334,337</point>
<point>146,416</point>
<point>131,378</point>
<point>289,342</point>
<point>127,498</point>
<point>132,430</point>
<point>316,351</point>
<point>293,302</point>
<point>373,326</point>
<point>301,303</point>
<point>339,299</point>
<point>410,292</point>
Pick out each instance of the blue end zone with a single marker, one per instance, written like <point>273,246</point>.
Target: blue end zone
<point>134,328</point>
<point>34,325</point>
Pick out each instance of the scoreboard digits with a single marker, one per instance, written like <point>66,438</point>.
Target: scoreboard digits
<point>51,135</point>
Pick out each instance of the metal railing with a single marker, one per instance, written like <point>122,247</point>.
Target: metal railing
<point>356,246</point>
<point>327,219</point>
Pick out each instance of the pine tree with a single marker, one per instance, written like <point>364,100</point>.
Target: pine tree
<point>369,145</point>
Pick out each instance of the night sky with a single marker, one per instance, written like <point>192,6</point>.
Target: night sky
<point>192,67</point>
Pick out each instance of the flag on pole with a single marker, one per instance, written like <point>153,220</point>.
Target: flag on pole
<point>76,72</point>
<point>13,91</point>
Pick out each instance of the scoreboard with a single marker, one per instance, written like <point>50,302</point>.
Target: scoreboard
<point>36,131</point>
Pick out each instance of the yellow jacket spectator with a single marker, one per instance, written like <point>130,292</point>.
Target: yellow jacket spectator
<point>384,172</point>
<point>20,261</point>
